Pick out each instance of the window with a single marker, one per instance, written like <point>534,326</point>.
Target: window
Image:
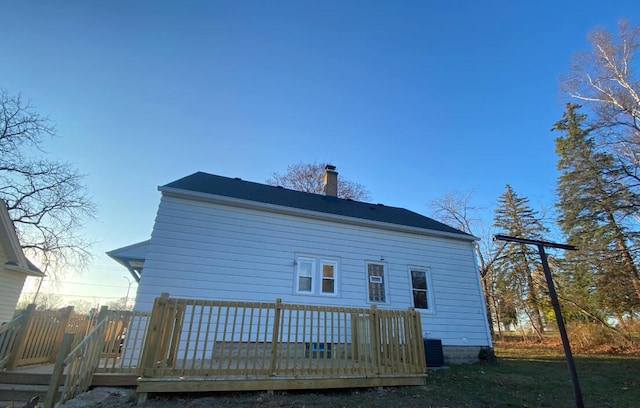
<point>420,288</point>
<point>305,275</point>
<point>376,283</point>
<point>328,277</point>
<point>316,275</point>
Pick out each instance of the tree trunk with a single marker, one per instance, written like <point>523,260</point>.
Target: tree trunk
<point>487,304</point>
<point>630,266</point>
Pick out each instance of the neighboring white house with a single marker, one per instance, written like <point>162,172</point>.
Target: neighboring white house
<point>223,238</point>
<point>14,266</point>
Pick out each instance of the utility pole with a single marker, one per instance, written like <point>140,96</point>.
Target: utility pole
<point>577,393</point>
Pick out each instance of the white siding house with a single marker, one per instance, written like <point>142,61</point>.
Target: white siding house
<point>14,266</point>
<point>222,238</point>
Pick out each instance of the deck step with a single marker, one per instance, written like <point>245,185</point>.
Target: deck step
<point>98,380</point>
<point>14,377</point>
<point>22,392</point>
<point>20,387</point>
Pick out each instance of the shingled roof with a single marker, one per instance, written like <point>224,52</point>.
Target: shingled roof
<point>234,187</point>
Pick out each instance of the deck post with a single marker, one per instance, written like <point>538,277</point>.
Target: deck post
<point>274,336</point>
<point>19,343</point>
<point>65,316</point>
<point>58,369</point>
<point>154,332</point>
<point>102,314</point>
<point>374,329</point>
<point>416,326</point>
<point>355,339</point>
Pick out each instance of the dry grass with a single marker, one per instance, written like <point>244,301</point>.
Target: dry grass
<point>585,338</point>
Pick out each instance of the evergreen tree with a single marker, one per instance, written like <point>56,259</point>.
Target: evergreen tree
<point>517,265</point>
<point>594,205</point>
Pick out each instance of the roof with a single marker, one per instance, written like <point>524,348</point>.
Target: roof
<point>132,257</point>
<point>11,246</point>
<point>245,190</point>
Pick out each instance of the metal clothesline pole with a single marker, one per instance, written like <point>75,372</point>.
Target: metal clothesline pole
<point>577,392</point>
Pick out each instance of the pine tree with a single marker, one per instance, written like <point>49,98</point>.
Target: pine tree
<point>593,204</point>
<point>516,282</point>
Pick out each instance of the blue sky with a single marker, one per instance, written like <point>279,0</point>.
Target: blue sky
<point>410,98</point>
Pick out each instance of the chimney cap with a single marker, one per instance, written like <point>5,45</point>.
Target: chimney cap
<point>330,167</point>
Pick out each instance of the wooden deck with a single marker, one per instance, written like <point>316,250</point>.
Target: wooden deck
<point>202,345</point>
<point>188,345</point>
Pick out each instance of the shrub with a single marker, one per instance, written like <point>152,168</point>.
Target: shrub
<point>594,337</point>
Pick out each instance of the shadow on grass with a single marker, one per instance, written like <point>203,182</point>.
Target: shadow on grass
<point>526,375</point>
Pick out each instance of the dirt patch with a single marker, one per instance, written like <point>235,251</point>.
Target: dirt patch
<point>124,398</point>
<point>103,397</point>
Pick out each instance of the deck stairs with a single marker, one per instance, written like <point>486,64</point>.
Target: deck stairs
<point>18,387</point>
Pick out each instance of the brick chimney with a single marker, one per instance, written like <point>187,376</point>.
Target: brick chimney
<point>330,180</point>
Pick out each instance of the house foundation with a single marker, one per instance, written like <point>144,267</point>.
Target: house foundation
<point>461,354</point>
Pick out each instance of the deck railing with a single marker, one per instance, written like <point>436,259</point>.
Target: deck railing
<point>39,339</point>
<point>80,325</point>
<point>123,341</point>
<point>9,333</point>
<point>34,337</point>
<point>188,337</point>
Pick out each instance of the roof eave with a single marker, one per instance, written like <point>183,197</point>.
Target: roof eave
<point>257,205</point>
<point>13,249</point>
<point>32,270</point>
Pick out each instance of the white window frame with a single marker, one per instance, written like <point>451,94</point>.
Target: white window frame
<point>302,261</point>
<point>429,290</point>
<point>317,277</point>
<point>384,281</point>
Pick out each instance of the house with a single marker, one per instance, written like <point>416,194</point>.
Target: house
<point>228,239</point>
<point>14,266</point>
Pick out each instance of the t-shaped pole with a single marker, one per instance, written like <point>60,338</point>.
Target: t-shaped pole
<point>577,393</point>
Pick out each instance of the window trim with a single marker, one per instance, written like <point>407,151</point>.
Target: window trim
<point>317,278</point>
<point>427,275</point>
<point>385,282</point>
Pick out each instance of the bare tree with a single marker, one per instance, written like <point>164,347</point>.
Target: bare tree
<point>455,209</point>
<point>45,301</point>
<point>308,177</point>
<point>604,80</point>
<point>122,303</point>
<point>46,198</point>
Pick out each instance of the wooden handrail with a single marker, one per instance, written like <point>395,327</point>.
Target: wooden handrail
<point>58,370</point>
<point>81,362</point>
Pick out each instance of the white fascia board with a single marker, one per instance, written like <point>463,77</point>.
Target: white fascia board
<point>137,250</point>
<point>280,209</point>
<point>26,271</point>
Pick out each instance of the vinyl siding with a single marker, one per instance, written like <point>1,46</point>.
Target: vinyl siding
<point>11,283</point>
<point>211,251</point>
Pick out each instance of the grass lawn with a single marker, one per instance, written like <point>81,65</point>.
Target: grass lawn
<point>539,378</point>
<point>526,375</point>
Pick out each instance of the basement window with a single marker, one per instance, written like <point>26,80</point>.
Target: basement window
<point>316,276</point>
